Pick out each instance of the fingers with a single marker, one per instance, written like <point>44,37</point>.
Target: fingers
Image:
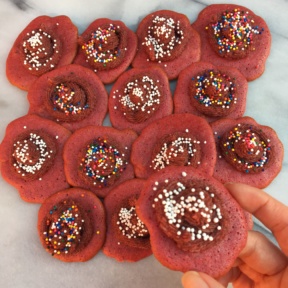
<point>268,210</point>
<point>262,256</point>
<point>193,279</point>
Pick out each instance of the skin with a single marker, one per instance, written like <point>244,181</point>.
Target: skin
<point>260,264</point>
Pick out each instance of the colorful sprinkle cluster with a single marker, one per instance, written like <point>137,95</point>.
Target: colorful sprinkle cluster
<point>190,211</point>
<point>234,31</point>
<point>215,89</point>
<point>129,223</point>
<point>254,152</point>
<point>163,28</point>
<point>95,47</point>
<point>140,95</point>
<point>102,162</point>
<point>30,154</point>
<point>63,100</point>
<point>36,55</point>
<point>64,232</point>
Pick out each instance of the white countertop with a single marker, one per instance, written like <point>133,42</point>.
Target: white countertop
<point>23,261</point>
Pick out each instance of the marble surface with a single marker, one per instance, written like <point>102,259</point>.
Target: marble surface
<point>23,261</point>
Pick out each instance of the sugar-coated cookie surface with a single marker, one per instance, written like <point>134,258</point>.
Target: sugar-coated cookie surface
<point>107,47</point>
<point>245,46</point>
<point>247,152</point>
<point>138,97</point>
<point>193,221</point>
<point>211,92</point>
<point>174,140</point>
<point>72,225</point>
<point>166,38</point>
<point>71,95</point>
<point>46,43</point>
<point>31,157</point>
<point>98,158</point>
<point>127,236</point>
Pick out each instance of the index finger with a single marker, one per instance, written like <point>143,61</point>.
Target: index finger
<point>272,213</point>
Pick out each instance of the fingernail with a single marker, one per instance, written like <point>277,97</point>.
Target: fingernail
<point>193,279</point>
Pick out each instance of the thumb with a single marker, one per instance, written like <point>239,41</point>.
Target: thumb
<point>194,279</point>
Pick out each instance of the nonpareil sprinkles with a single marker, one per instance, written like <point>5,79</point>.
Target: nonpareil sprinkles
<point>181,147</point>
<point>63,99</point>
<point>215,89</point>
<point>247,148</point>
<point>102,162</point>
<point>65,232</point>
<point>189,210</point>
<point>163,36</point>
<point>140,95</point>
<point>96,47</point>
<point>40,49</point>
<point>30,154</point>
<point>129,223</point>
<point>234,31</point>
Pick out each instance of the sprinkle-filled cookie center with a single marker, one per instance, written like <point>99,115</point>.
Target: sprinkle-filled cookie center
<point>140,98</point>
<point>104,46</point>
<point>164,36</point>
<point>213,93</point>
<point>33,153</point>
<point>64,228</point>
<point>246,147</point>
<point>69,99</point>
<point>178,149</point>
<point>234,34</point>
<point>41,51</point>
<point>102,163</point>
<point>188,213</point>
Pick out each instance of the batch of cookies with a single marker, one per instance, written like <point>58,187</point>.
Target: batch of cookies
<point>153,181</point>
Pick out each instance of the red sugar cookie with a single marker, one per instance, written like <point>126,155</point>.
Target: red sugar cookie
<point>175,140</point>
<point>45,44</point>
<point>247,152</point>
<point>211,92</point>
<point>127,237</point>
<point>71,95</point>
<point>71,225</point>
<point>166,38</point>
<point>31,157</point>
<point>246,46</point>
<point>107,47</point>
<point>193,221</point>
<point>98,158</point>
<point>138,97</point>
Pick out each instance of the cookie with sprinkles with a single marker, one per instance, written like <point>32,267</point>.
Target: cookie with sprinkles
<point>194,222</point>
<point>72,225</point>
<point>211,92</point>
<point>232,35</point>
<point>175,140</point>
<point>71,95</point>
<point>97,158</point>
<point>107,47</point>
<point>46,43</point>
<point>138,97</point>
<point>166,38</point>
<point>127,236</point>
<point>247,152</point>
<point>31,157</point>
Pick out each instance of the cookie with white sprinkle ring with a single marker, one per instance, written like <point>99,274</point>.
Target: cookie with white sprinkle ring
<point>193,221</point>
<point>127,236</point>
<point>31,157</point>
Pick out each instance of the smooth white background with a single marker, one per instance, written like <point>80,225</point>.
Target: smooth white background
<point>23,261</point>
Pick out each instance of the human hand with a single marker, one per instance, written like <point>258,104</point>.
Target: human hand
<point>260,264</point>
